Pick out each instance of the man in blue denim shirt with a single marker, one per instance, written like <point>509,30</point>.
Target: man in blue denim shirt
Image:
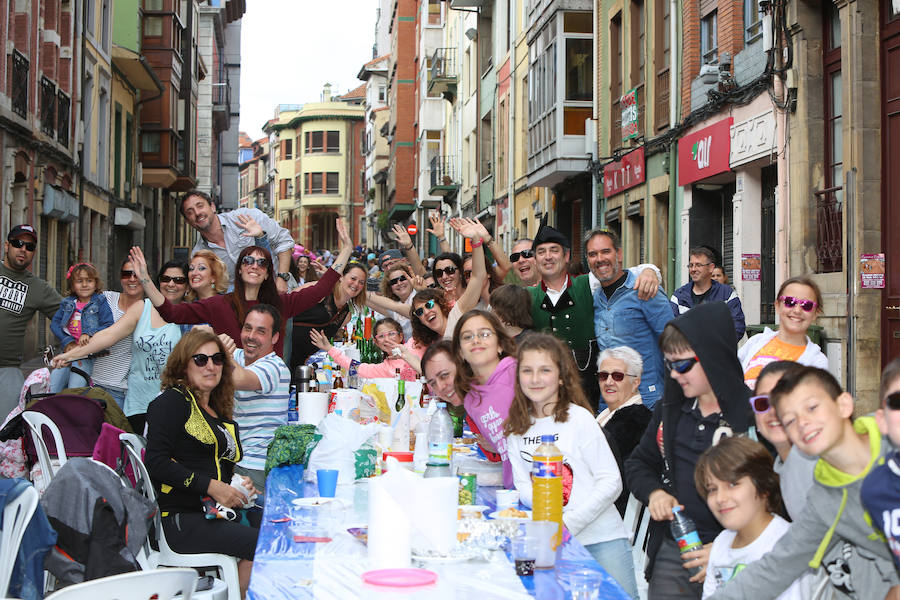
<point>620,317</point>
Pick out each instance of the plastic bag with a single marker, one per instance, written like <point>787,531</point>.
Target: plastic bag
<point>341,438</point>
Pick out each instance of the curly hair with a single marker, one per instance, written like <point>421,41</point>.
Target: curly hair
<point>464,374</point>
<point>422,333</point>
<point>221,399</point>
<point>215,264</point>
<point>522,412</point>
<point>268,293</point>
<point>386,288</point>
<point>736,457</point>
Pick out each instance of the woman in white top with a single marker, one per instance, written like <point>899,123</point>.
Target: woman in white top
<point>397,285</point>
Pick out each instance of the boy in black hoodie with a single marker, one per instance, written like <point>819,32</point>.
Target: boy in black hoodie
<point>705,398</point>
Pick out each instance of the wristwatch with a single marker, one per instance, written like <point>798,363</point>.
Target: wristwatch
<point>285,276</point>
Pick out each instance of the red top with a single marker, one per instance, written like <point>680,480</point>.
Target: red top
<point>217,311</point>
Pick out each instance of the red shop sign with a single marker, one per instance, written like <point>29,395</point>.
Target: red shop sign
<point>704,153</point>
<point>623,174</point>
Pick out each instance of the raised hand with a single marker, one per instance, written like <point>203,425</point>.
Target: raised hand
<point>229,344</point>
<point>466,227</point>
<point>318,267</point>
<point>139,263</point>
<point>437,225</point>
<point>483,232</point>
<point>250,226</point>
<point>319,340</point>
<point>344,240</point>
<point>418,283</point>
<point>402,236</point>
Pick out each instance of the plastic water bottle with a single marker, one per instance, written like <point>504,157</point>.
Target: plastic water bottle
<point>440,436</point>
<point>293,415</point>
<point>353,375</point>
<point>684,530</point>
<point>546,484</point>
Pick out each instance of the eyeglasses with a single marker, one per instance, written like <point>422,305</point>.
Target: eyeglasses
<point>617,376</point>
<point>421,310</point>
<point>760,403</point>
<point>387,334</point>
<point>126,274</point>
<point>167,279</point>
<point>397,280</point>
<point>260,262</point>
<point>697,265</point>
<point>440,272</point>
<point>681,366</point>
<point>515,256</point>
<point>467,275</point>
<point>469,337</point>
<point>201,359</point>
<point>17,243</point>
<point>791,302</point>
<point>892,401</point>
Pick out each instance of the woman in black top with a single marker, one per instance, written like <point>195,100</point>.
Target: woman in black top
<point>192,447</point>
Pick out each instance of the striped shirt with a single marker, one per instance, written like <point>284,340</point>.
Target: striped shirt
<point>112,370</point>
<point>258,413</point>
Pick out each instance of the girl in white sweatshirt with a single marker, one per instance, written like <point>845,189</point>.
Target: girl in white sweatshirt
<point>548,402</point>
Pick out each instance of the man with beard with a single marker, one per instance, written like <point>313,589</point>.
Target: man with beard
<point>620,317</point>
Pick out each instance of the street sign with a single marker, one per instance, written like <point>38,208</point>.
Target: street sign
<point>411,229</point>
<point>629,115</point>
<point>624,173</point>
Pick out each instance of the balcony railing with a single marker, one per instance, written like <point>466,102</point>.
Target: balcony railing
<point>444,181</point>
<point>661,111</point>
<point>19,84</point>
<point>62,118</point>
<point>48,107</point>
<point>444,73</point>
<point>829,205</point>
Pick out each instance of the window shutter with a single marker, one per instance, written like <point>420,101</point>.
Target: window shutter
<point>283,188</point>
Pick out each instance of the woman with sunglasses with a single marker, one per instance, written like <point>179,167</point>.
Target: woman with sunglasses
<point>254,283</point>
<point>625,417</point>
<point>389,339</point>
<point>206,276</point>
<point>797,303</point>
<point>152,340</point>
<point>193,445</point>
<point>397,285</point>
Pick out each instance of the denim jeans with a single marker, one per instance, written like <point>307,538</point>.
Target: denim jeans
<point>118,395</point>
<point>616,559</point>
<point>64,378</point>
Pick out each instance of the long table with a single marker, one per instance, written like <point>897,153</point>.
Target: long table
<point>284,569</point>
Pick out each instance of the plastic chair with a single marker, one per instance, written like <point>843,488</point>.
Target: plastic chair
<point>225,565</point>
<point>637,520</point>
<point>163,584</point>
<point>36,422</point>
<point>16,516</point>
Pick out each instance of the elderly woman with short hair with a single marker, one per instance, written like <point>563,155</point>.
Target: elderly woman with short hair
<point>625,417</point>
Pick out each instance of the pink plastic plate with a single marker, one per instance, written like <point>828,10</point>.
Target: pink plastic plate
<point>400,577</point>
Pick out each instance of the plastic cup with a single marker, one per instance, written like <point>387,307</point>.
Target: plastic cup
<point>327,481</point>
<point>544,531</point>
<point>524,550</point>
<point>507,499</point>
<point>584,585</point>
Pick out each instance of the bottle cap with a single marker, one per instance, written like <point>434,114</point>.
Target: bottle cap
<point>676,510</point>
<point>441,404</point>
<point>548,439</point>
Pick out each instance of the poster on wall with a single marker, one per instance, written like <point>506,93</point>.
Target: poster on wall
<point>871,271</point>
<point>750,266</point>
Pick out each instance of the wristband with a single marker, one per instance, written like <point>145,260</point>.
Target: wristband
<point>477,244</point>
<point>407,248</point>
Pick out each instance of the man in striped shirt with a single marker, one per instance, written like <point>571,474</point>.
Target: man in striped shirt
<point>262,382</point>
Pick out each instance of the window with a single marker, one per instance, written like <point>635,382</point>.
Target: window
<point>331,183</point>
<point>579,62</point>
<point>150,143</point>
<point>333,141</point>
<point>752,20</point>
<point>382,92</point>
<point>434,12</point>
<point>637,43</point>
<point>153,26</point>
<point>661,59</point>
<point>117,149</point>
<point>709,39</point>
<point>288,149</point>
<point>615,80</point>
<point>322,141</point>
<point>829,201</point>
<point>153,4</point>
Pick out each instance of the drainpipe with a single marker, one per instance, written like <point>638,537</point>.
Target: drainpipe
<point>673,148</point>
<point>77,110</point>
<point>510,129</point>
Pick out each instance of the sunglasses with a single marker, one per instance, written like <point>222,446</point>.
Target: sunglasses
<point>432,285</point>
<point>201,359</point>
<point>467,275</point>
<point>681,366</point>
<point>167,279</point>
<point>438,273</point>
<point>259,262</point>
<point>17,243</point>
<point>397,280</point>
<point>515,256</point>
<point>421,310</point>
<point>892,401</point>
<point>791,302</point>
<point>760,403</point>
<point>617,376</point>
<point>125,274</point>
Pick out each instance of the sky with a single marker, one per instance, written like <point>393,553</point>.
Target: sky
<point>291,48</point>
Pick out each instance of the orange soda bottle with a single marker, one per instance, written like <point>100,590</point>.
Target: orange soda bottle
<point>547,484</point>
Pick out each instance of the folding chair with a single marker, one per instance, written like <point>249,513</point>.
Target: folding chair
<point>161,584</point>
<point>16,516</point>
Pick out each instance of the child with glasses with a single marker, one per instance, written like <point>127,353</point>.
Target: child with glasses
<point>797,304</point>
<point>833,531</point>
<point>705,400</point>
<point>81,314</point>
<point>389,339</point>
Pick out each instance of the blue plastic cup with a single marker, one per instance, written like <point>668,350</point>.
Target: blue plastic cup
<point>327,480</point>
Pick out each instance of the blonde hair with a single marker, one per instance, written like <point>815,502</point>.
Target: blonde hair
<point>220,280</point>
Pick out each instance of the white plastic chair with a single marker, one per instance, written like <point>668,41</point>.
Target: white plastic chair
<point>16,516</point>
<point>225,565</point>
<point>36,422</point>
<point>163,584</point>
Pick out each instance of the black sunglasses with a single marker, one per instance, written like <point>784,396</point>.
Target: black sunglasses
<point>514,257</point>
<point>201,359</point>
<point>260,262</point>
<point>167,279</point>
<point>892,401</point>
<point>681,366</point>
<point>616,375</point>
<point>397,280</point>
<point>421,310</point>
<point>448,270</point>
<point>467,275</point>
<point>760,403</point>
<point>17,243</point>
<point>126,274</point>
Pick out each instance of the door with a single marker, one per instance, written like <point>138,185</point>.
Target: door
<point>767,246</point>
<point>890,181</point>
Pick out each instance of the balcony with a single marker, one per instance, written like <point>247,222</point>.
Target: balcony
<point>829,230</point>
<point>19,84</point>
<point>444,73</point>
<point>221,105</point>
<point>48,107</point>
<point>63,104</point>
<point>444,181</point>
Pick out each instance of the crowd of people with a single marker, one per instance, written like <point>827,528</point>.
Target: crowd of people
<point>660,397</point>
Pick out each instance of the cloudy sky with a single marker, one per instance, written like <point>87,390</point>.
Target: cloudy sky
<point>291,48</point>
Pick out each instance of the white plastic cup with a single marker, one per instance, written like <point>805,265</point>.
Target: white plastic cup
<point>507,499</point>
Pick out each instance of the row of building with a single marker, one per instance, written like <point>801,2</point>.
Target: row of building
<point>108,110</point>
<point>767,129</point>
